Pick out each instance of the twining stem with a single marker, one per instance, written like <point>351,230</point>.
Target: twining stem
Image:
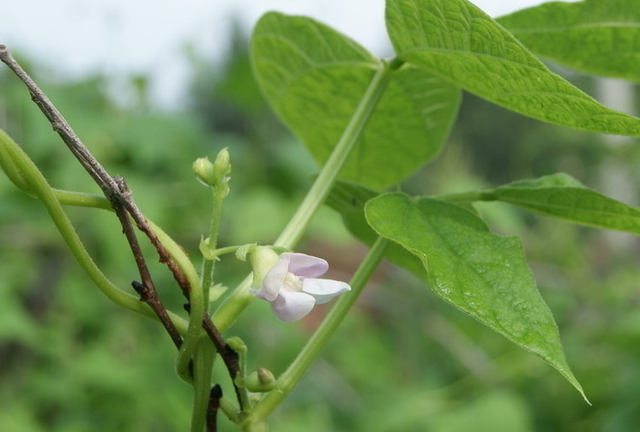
<point>202,367</point>
<point>237,301</point>
<point>290,378</point>
<point>39,187</point>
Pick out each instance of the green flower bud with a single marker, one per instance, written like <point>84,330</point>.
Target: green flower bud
<point>222,169</point>
<point>260,381</point>
<point>221,166</point>
<point>215,174</point>
<point>205,171</point>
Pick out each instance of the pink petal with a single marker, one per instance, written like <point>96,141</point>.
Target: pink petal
<point>306,265</point>
<point>291,306</point>
<point>274,278</point>
<point>323,290</point>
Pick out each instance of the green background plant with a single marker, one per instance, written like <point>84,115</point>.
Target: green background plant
<point>70,359</point>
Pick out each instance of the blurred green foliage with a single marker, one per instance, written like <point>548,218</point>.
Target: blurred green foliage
<point>404,360</point>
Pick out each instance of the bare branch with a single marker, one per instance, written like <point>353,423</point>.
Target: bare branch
<point>212,409</point>
<point>115,190</point>
<point>148,295</point>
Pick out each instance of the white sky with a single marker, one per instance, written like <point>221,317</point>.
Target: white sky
<point>118,37</point>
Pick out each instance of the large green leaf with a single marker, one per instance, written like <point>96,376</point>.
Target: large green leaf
<point>349,199</point>
<point>595,36</point>
<point>482,274</point>
<point>562,196</point>
<point>314,77</point>
<point>458,42</point>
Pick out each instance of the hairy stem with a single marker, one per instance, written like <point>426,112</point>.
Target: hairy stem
<point>208,266</point>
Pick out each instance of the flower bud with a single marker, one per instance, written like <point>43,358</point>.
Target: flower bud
<point>221,166</point>
<point>215,174</point>
<point>205,171</point>
<point>260,381</point>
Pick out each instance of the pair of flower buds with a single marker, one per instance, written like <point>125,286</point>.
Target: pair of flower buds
<point>291,283</point>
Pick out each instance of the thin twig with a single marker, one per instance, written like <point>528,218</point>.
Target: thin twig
<point>228,355</point>
<point>142,224</point>
<point>114,189</point>
<point>214,406</point>
<point>154,302</point>
<point>128,203</point>
<point>60,125</point>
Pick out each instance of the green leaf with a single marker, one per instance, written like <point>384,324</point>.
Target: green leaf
<point>314,77</point>
<point>562,196</point>
<point>349,199</point>
<point>480,273</point>
<point>458,42</point>
<point>595,36</point>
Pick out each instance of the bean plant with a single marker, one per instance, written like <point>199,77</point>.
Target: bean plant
<point>369,123</point>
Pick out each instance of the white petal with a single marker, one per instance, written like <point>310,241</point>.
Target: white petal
<point>274,279</point>
<point>323,290</point>
<point>306,265</point>
<point>291,306</point>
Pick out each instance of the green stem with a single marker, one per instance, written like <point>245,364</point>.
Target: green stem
<point>484,195</point>
<point>208,265</point>
<point>226,250</point>
<point>237,301</point>
<point>329,173</point>
<point>290,378</point>
<point>194,329</point>
<point>36,184</point>
<point>202,366</point>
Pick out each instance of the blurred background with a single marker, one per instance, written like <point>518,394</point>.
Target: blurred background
<point>148,100</point>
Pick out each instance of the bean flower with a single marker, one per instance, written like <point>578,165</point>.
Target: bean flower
<point>290,282</point>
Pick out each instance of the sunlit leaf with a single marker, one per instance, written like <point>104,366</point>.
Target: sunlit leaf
<point>314,77</point>
<point>482,274</point>
<point>596,36</point>
<point>458,42</point>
